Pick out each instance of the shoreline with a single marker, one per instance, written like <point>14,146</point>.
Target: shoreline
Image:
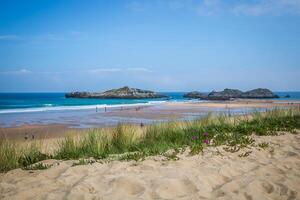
<point>168,111</point>
<point>149,103</point>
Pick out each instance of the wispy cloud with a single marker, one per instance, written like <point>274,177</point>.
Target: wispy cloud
<point>136,6</point>
<point>76,33</point>
<point>45,37</point>
<point>225,7</point>
<point>264,7</point>
<point>209,7</point>
<point>85,71</point>
<point>139,69</point>
<point>9,37</point>
<point>16,72</point>
<point>112,70</point>
<point>103,70</point>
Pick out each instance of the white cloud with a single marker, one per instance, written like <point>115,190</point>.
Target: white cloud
<point>20,71</point>
<point>76,33</point>
<point>24,71</point>
<point>264,7</point>
<point>136,6</point>
<point>139,69</point>
<point>248,8</point>
<point>9,37</point>
<point>112,70</point>
<point>101,70</point>
<point>88,71</point>
<point>209,8</point>
<point>45,37</point>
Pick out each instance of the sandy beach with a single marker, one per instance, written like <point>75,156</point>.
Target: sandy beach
<point>269,173</point>
<point>141,114</point>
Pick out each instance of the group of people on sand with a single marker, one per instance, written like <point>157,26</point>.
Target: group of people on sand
<point>136,108</point>
<point>97,109</point>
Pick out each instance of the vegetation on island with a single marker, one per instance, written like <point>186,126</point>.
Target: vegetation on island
<point>120,93</point>
<point>228,94</point>
<point>132,142</point>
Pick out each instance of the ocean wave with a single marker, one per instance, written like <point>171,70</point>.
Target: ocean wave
<point>50,107</point>
<point>47,104</point>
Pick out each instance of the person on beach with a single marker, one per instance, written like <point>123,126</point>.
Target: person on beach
<point>26,136</point>
<point>96,109</point>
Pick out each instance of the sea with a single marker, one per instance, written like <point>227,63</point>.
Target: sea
<point>46,108</point>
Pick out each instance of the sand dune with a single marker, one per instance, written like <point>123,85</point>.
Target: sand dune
<point>271,173</point>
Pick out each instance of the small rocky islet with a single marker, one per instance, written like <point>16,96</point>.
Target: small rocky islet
<point>227,94</point>
<point>120,93</point>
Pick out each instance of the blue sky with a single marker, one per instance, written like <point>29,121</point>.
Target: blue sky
<point>163,45</point>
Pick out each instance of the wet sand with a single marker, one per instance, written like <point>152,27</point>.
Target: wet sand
<point>142,114</point>
<point>32,132</point>
<point>175,110</point>
<point>270,173</point>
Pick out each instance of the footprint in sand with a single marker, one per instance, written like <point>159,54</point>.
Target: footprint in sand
<point>267,187</point>
<point>174,188</point>
<point>128,186</point>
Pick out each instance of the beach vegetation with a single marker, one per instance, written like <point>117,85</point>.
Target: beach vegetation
<point>82,161</point>
<point>132,142</point>
<point>263,145</point>
<point>37,166</point>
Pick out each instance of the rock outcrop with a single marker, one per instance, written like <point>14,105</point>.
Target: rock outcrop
<point>228,94</point>
<point>121,93</point>
<point>195,95</point>
<point>260,93</point>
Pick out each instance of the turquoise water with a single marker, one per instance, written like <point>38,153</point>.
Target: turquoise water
<point>34,102</point>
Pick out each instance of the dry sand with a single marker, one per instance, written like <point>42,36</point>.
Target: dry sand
<point>271,173</point>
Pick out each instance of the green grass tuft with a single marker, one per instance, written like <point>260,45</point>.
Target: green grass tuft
<point>135,143</point>
<point>38,166</point>
<point>83,162</point>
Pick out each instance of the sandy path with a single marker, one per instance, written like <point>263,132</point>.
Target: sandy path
<point>273,173</point>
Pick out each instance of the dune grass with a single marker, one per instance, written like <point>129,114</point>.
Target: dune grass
<point>14,154</point>
<point>131,142</point>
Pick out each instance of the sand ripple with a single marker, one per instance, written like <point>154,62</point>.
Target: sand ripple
<point>273,173</point>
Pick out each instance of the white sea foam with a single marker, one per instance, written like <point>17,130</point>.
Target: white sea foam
<point>50,107</point>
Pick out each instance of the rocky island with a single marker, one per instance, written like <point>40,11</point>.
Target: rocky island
<point>195,95</point>
<point>227,94</point>
<point>121,93</point>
